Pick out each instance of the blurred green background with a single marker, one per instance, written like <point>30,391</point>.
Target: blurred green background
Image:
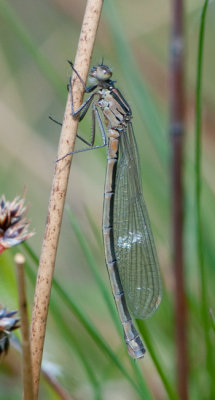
<point>36,39</point>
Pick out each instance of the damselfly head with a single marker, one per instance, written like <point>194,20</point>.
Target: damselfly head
<point>101,72</point>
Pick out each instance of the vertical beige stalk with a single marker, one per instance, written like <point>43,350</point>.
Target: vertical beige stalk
<point>58,191</point>
<point>26,348</point>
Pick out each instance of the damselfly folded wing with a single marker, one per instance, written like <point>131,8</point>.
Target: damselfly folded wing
<point>134,246</point>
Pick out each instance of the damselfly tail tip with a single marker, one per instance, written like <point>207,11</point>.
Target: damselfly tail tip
<point>135,347</point>
<point>136,353</point>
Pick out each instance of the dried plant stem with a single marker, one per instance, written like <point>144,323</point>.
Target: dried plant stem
<point>177,132</point>
<point>26,348</point>
<point>58,191</point>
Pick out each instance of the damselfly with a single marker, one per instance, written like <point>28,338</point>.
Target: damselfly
<point>130,252</point>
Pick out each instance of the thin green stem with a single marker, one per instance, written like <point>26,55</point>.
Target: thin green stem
<point>94,268</point>
<point>198,190</point>
<point>67,333</point>
<point>147,340</point>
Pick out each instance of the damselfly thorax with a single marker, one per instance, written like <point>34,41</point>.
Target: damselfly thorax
<point>115,110</point>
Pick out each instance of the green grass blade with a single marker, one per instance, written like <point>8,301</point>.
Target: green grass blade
<point>171,393</point>
<point>94,227</point>
<point>67,332</point>
<point>198,190</point>
<point>94,268</point>
<point>212,319</point>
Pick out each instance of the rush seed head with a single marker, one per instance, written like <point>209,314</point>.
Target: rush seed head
<point>13,223</point>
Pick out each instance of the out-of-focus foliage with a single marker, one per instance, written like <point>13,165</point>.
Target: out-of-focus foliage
<point>36,40</point>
